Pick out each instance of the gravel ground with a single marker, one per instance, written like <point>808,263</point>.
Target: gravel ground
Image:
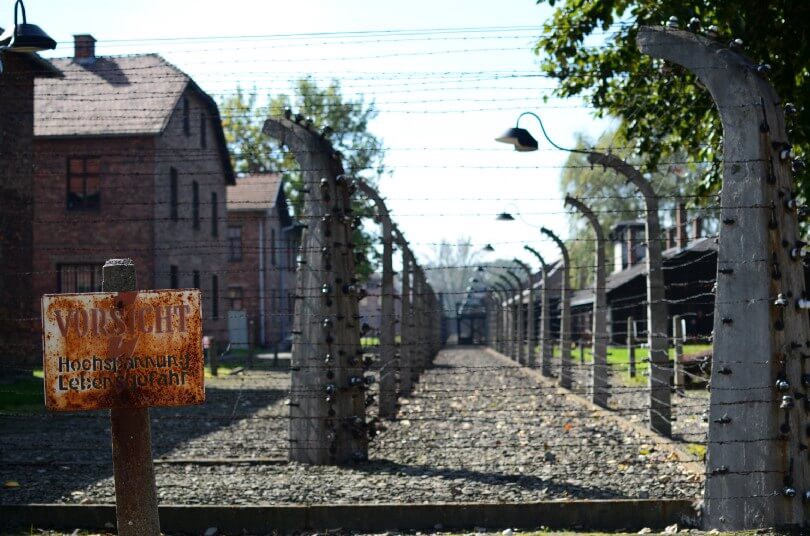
<point>631,401</point>
<point>475,429</point>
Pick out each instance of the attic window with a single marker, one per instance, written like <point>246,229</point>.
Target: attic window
<point>83,184</point>
<point>186,117</point>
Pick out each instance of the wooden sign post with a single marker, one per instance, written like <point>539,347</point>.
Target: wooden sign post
<point>124,350</point>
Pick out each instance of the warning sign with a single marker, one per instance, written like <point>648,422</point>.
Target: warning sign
<point>122,349</point>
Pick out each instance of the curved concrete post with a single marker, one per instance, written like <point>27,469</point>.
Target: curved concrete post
<point>420,300</point>
<point>599,378</point>
<point>530,336</point>
<point>660,368</point>
<point>511,317</point>
<point>545,317</point>
<point>519,318</point>
<point>326,336</point>
<point>502,296</point>
<point>494,320</point>
<point>565,312</point>
<point>757,470</point>
<point>388,381</point>
<point>406,343</point>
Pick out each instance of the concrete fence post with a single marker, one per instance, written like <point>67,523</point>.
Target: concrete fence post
<point>520,328</point>
<point>503,329</point>
<point>545,319</point>
<point>677,344</point>
<point>406,349</point>
<point>387,379</point>
<point>660,411</point>
<point>529,320</point>
<point>328,388</point>
<point>565,312</point>
<point>511,317</point>
<point>757,470</point>
<point>631,347</point>
<point>599,378</point>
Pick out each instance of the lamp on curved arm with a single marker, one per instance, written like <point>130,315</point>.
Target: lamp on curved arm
<point>565,312</point>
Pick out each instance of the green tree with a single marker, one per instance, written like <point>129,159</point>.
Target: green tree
<point>254,152</point>
<point>667,113</point>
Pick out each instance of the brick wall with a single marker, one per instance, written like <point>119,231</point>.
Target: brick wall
<point>279,279</point>
<point>17,337</point>
<point>122,224</point>
<point>178,242</point>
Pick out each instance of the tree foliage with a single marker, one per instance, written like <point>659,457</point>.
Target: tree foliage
<point>252,151</point>
<point>589,48</point>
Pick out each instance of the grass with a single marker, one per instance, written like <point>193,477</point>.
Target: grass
<point>23,394</point>
<point>619,359</point>
<point>697,450</point>
<point>367,342</point>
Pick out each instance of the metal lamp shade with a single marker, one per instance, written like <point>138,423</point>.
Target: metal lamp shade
<point>27,37</point>
<point>505,216</point>
<point>520,138</point>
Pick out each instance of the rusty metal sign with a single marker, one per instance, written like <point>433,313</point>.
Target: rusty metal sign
<point>122,349</point>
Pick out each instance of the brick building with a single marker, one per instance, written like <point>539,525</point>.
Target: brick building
<point>262,247</point>
<point>17,312</point>
<point>130,161</point>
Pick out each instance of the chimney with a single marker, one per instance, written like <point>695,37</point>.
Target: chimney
<point>670,237</point>
<point>697,228</point>
<point>680,225</point>
<point>84,48</point>
<point>631,247</point>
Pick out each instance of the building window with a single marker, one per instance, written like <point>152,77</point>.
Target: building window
<point>195,204</point>
<point>235,298</point>
<point>173,194</point>
<point>195,279</point>
<point>235,243</point>
<point>214,296</point>
<point>203,131</point>
<point>273,247</point>
<point>174,277</point>
<point>78,278</point>
<point>83,184</point>
<point>214,215</point>
<point>186,117</point>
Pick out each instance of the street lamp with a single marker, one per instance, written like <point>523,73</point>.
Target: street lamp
<point>505,216</point>
<point>24,37</point>
<point>523,141</point>
<point>519,137</point>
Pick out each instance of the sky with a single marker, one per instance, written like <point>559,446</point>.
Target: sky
<point>447,77</point>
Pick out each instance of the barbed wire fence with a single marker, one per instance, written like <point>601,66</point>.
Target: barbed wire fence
<point>468,412</point>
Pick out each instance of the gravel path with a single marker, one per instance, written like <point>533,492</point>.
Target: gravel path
<point>631,401</point>
<point>475,429</point>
